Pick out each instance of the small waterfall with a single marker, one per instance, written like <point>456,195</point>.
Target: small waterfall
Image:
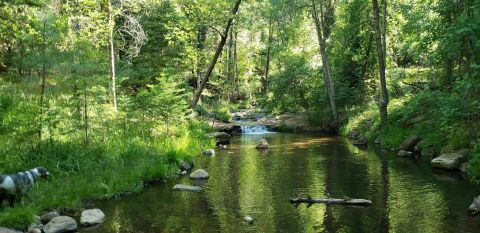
<point>255,129</point>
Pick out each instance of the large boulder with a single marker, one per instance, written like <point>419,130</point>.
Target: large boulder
<point>8,230</point>
<point>199,174</point>
<point>221,137</point>
<point>263,144</point>
<point>92,217</point>
<point>450,161</point>
<point>410,143</point>
<point>61,224</point>
<point>189,188</point>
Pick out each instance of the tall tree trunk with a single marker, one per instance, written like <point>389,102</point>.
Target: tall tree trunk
<point>384,29</point>
<point>323,52</point>
<point>235,61</point>
<point>381,63</point>
<point>111,25</point>
<point>44,74</point>
<point>267,63</point>
<point>212,64</point>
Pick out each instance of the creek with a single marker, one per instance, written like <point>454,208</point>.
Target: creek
<point>407,195</point>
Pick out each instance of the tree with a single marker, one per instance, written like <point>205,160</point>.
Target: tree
<point>318,21</point>
<point>381,62</point>
<point>211,66</point>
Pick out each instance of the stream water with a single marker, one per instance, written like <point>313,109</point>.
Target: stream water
<point>407,195</point>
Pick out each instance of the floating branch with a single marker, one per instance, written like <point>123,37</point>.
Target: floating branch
<point>330,201</point>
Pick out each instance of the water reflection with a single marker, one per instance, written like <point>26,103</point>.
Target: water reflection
<point>407,196</point>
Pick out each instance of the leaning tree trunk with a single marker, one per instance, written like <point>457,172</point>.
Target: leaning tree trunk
<point>323,52</point>
<point>212,64</point>
<point>111,25</point>
<point>381,63</point>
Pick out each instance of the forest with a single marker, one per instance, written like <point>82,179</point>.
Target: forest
<point>112,96</point>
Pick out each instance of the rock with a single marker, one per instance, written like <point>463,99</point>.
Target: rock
<point>60,224</point>
<point>404,153</point>
<point>186,166</point>
<point>448,161</point>
<point>248,219</point>
<point>34,230</point>
<point>223,147</point>
<point>92,217</point>
<point>199,174</point>
<point>377,140</point>
<point>418,147</point>
<point>49,216</point>
<point>474,208</point>
<point>410,143</point>
<point>181,173</point>
<point>220,137</point>
<point>263,144</point>
<point>36,225</point>
<point>189,188</point>
<point>209,152</point>
<point>8,230</point>
<point>361,141</point>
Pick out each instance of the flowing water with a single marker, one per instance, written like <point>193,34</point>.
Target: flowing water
<point>407,195</point>
<point>255,129</point>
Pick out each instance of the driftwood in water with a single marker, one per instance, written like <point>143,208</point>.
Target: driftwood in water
<point>474,208</point>
<point>336,201</point>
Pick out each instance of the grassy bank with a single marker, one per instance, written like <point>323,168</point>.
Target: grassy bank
<point>97,170</point>
<point>92,151</point>
<point>447,121</point>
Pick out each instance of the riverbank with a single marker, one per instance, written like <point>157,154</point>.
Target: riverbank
<point>104,169</point>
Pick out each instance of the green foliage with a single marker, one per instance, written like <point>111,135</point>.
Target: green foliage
<point>17,218</point>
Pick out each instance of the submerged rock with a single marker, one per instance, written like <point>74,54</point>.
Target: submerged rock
<point>404,153</point>
<point>209,152</point>
<point>189,188</point>
<point>8,230</point>
<point>61,224</point>
<point>409,143</point>
<point>199,174</point>
<point>49,216</point>
<point>448,161</point>
<point>92,217</point>
<point>263,144</point>
<point>248,219</point>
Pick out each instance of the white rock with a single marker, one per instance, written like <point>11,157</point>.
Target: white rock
<point>248,219</point>
<point>92,217</point>
<point>199,174</point>
<point>60,224</point>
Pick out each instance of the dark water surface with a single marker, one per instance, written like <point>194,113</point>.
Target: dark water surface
<point>407,195</point>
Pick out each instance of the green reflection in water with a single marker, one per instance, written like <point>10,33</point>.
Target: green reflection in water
<point>407,195</point>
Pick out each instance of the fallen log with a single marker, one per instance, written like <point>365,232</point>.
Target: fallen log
<point>330,201</point>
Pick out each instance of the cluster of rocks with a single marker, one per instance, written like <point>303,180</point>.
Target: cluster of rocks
<point>53,222</point>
